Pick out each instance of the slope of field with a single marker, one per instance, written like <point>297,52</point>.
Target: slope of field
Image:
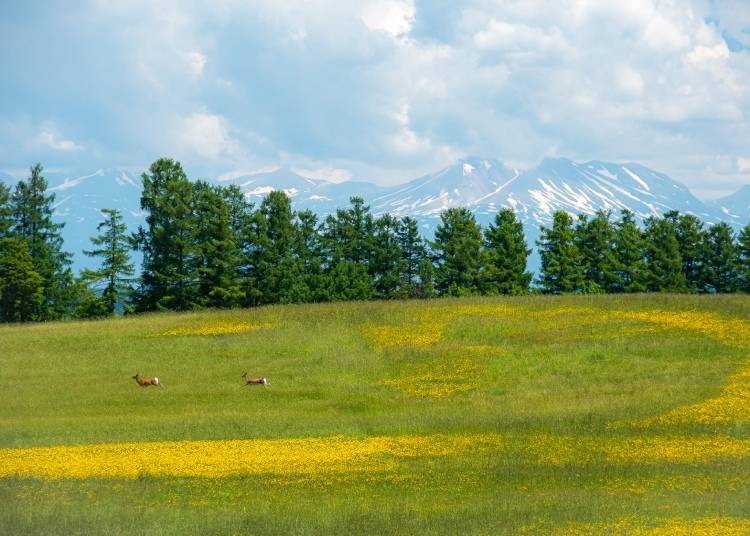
<point>538,415</point>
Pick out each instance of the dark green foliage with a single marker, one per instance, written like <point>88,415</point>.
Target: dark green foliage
<point>458,253</point>
<point>168,280</point>
<point>113,246</point>
<point>595,239</point>
<point>21,287</point>
<point>6,217</point>
<point>691,238</point>
<point>217,253</point>
<point>629,248</point>
<point>663,260</point>
<point>721,259</point>
<point>743,259</point>
<point>413,255</point>
<point>31,212</point>
<point>562,262</point>
<point>506,256</point>
<point>387,258</point>
<point>308,252</point>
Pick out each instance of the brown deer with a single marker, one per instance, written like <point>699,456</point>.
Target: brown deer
<point>145,382</point>
<point>254,381</point>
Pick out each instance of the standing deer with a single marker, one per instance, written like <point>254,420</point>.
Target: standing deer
<point>254,381</point>
<point>145,382</point>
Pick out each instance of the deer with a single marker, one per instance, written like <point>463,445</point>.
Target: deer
<point>145,382</point>
<point>254,381</point>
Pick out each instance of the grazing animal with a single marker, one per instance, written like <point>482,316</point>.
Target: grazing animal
<point>254,381</point>
<point>145,382</point>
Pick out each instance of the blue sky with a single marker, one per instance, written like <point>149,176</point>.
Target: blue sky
<point>379,90</point>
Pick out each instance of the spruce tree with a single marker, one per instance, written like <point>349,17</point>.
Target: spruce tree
<point>691,237</point>
<point>275,268</point>
<point>387,257</point>
<point>413,253</point>
<point>116,270</point>
<point>507,255</point>
<point>595,239</point>
<point>168,278</point>
<point>630,251</point>
<point>562,262</point>
<point>6,214</point>
<point>32,211</point>
<point>722,269</point>
<point>217,252</point>
<point>663,260</point>
<point>743,259</point>
<point>21,287</point>
<point>308,251</point>
<point>458,253</point>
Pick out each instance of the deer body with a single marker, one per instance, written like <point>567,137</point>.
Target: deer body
<point>145,382</point>
<point>254,381</point>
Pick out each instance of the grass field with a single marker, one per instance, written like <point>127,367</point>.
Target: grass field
<point>538,415</point>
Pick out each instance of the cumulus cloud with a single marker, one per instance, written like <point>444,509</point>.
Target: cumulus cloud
<point>206,135</point>
<point>54,142</point>
<point>395,17</point>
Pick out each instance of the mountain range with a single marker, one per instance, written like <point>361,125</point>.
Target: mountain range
<point>482,184</point>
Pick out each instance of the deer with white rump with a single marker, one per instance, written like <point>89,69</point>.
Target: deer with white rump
<point>254,381</point>
<point>145,382</point>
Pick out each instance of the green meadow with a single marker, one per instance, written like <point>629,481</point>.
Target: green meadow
<point>531,415</point>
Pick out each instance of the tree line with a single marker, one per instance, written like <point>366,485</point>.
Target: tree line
<point>205,245</point>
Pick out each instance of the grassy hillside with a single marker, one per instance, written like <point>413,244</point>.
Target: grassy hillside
<point>570,415</point>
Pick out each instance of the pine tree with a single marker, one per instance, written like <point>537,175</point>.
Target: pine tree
<point>629,247</point>
<point>663,260</point>
<point>217,253</point>
<point>387,257</point>
<point>562,262</point>
<point>114,249</point>
<point>691,238</point>
<point>413,253</point>
<point>507,255</point>
<point>722,270</point>
<point>458,253</point>
<point>21,287</point>
<point>168,279</point>
<point>6,214</point>
<point>426,287</point>
<point>348,245</point>
<point>743,259</point>
<point>244,225</point>
<point>308,251</point>
<point>31,211</point>
<point>595,239</point>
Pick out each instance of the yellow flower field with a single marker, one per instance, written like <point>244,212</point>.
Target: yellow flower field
<point>216,459</point>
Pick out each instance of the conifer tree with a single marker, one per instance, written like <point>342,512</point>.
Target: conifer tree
<point>113,246</point>
<point>21,287</point>
<point>276,269</point>
<point>6,215</point>
<point>743,259</point>
<point>387,257</point>
<point>168,279</point>
<point>562,262</point>
<point>691,238</point>
<point>663,260</point>
<point>458,253</point>
<point>720,253</point>
<point>413,253</point>
<point>595,239</point>
<point>217,252</point>
<point>308,250</point>
<point>507,255</point>
<point>31,211</point>
<point>629,247</point>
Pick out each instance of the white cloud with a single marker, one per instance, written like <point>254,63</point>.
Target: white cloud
<point>195,62</point>
<point>395,17</point>
<point>53,141</point>
<point>206,135</point>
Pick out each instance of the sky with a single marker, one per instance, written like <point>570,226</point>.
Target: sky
<point>378,90</point>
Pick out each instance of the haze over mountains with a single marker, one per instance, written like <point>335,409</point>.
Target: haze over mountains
<point>484,185</point>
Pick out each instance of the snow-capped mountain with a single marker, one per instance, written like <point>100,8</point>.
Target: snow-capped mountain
<point>482,184</point>
<point>734,207</point>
